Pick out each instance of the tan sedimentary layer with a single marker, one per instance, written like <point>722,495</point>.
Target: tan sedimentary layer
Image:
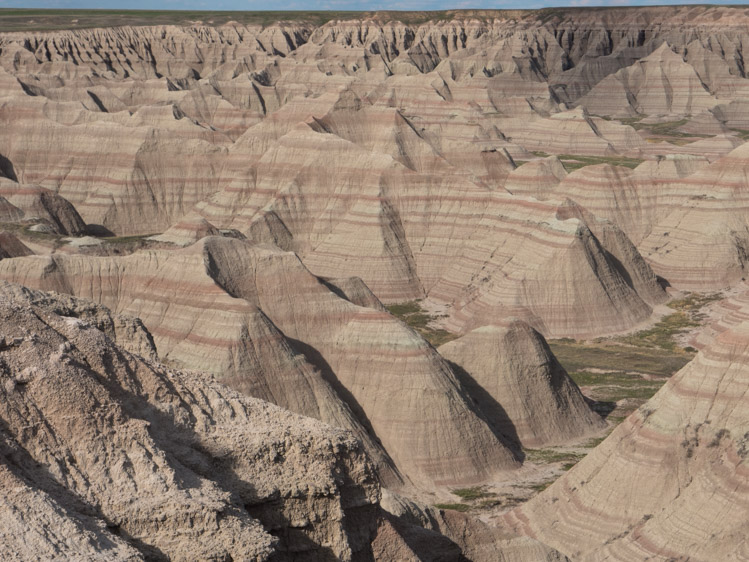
<point>671,481</point>
<point>519,385</point>
<point>259,319</point>
<point>354,218</point>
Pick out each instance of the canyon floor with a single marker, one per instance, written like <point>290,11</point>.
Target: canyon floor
<point>459,285</point>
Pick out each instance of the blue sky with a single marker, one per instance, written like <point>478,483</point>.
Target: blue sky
<point>327,4</point>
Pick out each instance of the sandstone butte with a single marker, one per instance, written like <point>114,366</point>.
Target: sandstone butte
<point>202,227</point>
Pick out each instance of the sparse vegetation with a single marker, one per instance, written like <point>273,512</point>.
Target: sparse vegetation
<point>567,459</point>
<point>541,486</point>
<point>488,504</point>
<point>549,456</point>
<point>474,498</point>
<point>34,19</point>
<point>631,121</point>
<point>472,494</point>
<point>574,162</point>
<point>593,443</point>
<point>21,19</point>
<point>21,230</point>
<point>462,507</point>
<point>661,335</point>
<point>693,302</point>
<point>665,129</point>
<point>610,356</point>
<point>621,373</point>
<point>417,318</point>
<point>618,376</point>
<point>742,133</point>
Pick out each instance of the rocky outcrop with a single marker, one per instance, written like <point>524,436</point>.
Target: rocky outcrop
<point>287,180</point>
<point>353,219</point>
<point>157,462</point>
<point>659,84</point>
<point>709,229</point>
<point>378,149</point>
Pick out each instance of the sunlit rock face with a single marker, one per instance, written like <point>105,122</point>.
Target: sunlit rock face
<point>243,202</point>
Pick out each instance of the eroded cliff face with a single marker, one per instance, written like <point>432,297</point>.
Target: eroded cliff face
<point>143,128</point>
<point>151,126</point>
<point>673,475</point>
<point>108,455</point>
<point>523,175</point>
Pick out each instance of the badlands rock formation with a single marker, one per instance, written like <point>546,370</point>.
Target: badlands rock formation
<point>257,318</point>
<point>12,247</point>
<point>171,464</point>
<point>671,481</point>
<point>257,194</point>
<point>235,132</point>
<point>164,463</point>
<point>519,385</point>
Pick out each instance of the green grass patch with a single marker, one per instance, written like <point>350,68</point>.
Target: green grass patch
<point>487,504</point>
<point>631,121</point>
<point>574,162</point>
<point>541,486</point>
<point>742,133</point>
<point>41,20</point>
<point>620,373</point>
<point>417,318</point>
<point>661,335</point>
<point>550,456</point>
<point>471,494</point>
<point>404,309</point>
<point>617,386</point>
<point>665,129</point>
<point>618,378</point>
<point>693,302</point>
<point>39,236</point>
<point>581,357</point>
<point>636,392</point>
<point>462,507</point>
<point>25,19</point>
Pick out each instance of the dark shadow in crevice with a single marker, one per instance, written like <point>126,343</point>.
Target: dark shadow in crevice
<point>490,410</point>
<point>662,282</point>
<point>315,358</point>
<point>99,231</point>
<point>618,266</point>
<point>601,407</point>
<point>6,169</point>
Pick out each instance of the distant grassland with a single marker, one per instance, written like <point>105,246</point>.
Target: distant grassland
<point>41,20</point>
<point>25,19</point>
